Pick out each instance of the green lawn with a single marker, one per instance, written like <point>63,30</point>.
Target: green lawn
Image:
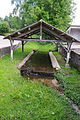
<point>70,80</point>
<point>23,99</point>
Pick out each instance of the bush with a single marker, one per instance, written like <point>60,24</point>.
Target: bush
<point>4,27</point>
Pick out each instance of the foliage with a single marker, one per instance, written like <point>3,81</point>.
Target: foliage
<point>23,99</point>
<point>55,12</point>
<point>4,27</point>
<point>1,19</point>
<point>14,21</point>
<point>70,79</point>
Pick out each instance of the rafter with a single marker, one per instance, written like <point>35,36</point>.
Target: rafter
<point>19,39</point>
<point>28,32</point>
<point>54,34</point>
<point>39,27</point>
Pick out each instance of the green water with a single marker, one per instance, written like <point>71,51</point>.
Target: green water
<point>39,62</point>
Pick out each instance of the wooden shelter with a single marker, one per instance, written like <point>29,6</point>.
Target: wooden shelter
<point>41,27</point>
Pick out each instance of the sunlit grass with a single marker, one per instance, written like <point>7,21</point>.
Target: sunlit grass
<point>70,78</point>
<point>23,99</point>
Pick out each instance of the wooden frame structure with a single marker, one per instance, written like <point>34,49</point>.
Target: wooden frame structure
<point>40,27</point>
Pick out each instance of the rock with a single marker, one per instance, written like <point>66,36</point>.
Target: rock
<point>55,82</point>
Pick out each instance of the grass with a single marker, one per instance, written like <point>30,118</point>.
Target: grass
<point>70,79</point>
<point>23,99</point>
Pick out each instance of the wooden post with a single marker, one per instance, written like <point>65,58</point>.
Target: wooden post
<point>41,30</point>
<point>22,46</point>
<point>11,42</point>
<point>25,59</point>
<point>57,46</point>
<point>68,53</point>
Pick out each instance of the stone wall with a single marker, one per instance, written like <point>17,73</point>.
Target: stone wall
<point>74,58</point>
<point>4,51</point>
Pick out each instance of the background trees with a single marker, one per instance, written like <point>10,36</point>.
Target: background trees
<point>55,12</point>
<point>4,27</point>
<point>14,21</point>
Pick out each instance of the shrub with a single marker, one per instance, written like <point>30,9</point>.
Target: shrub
<point>4,27</point>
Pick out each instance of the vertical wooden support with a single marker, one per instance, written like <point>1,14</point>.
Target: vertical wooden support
<point>22,46</point>
<point>41,30</point>
<point>11,52</point>
<point>57,46</point>
<point>68,53</point>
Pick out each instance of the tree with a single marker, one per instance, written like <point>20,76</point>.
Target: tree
<point>55,12</point>
<point>1,19</point>
<point>4,27</point>
<point>14,21</point>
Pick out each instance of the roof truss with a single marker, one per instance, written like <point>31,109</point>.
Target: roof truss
<point>41,26</point>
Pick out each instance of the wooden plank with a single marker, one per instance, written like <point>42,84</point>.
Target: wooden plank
<point>19,39</point>
<point>25,59</point>
<point>54,61</point>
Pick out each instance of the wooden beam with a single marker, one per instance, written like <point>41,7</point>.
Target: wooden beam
<point>21,31</point>
<point>68,53</point>
<point>19,39</point>
<point>25,59</point>
<point>30,38</point>
<point>57,46</point>
<point>41,30</point>
<point>54,61</point>
<point>22,46</point>
<point>28,32</point>
<point>45,26</point>
<point>11,52</point>
<point>55,34</point>
<point>61,33</point>
<point>25,42</point>
<point>63,47</point>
